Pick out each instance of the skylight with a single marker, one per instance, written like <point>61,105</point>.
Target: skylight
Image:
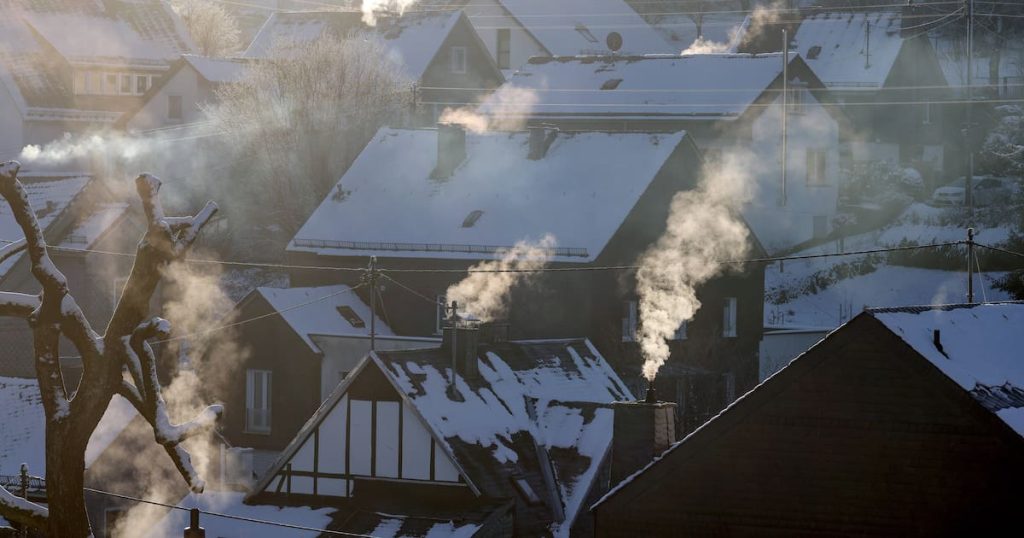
<point>351,317</point>
<point>525,490</point>
<point>585,32</point>
<point>471,218</point>
<point>611,84</point>
<point>813,52</point>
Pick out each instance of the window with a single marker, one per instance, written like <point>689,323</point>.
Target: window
<point>442,312</point>
<point>81,82</point>
<point>680,333</point>
<point>174,111</point>
<point>126,84</point>
<point>503,51</point>
<point>141,84</point>
<point>111,86</point>
<point>797,97</point>
<point>813,52</point>
<point>611,84</point>
<point>629,321</point>
<point>585,32</point>
<point>351,317</point>
<point>95,82</point>
<point>816,162</point>
<point>257,401</point>
<point>458,58</point>
<point>729,318</point>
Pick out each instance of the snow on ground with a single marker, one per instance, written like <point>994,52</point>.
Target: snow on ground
<point>826,292</point>
<point>231,503</point>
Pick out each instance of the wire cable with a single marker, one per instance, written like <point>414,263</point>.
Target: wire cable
<point>229,516</point>
<point>1003,250</point>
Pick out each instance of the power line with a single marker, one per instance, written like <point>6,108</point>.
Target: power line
<point>229,516</point>
<point>706,90</point>
<point>526,105</point>
<point>1003,250</point>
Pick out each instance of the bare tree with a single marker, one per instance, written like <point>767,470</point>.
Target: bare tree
<point>121,361</point>
<point>212,27</point>
<point>298,118</point>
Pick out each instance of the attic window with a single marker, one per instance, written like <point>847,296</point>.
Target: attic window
<point>611,84</point>
<point>471,218</point>
<point>524,489</point>
<point>351,317</point>
<point>813,52</point>
<point>585,32</point>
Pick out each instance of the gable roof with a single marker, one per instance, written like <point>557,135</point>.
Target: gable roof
<point>981,349</point>
<point>314,311</point>
<point>693,86</point>
<point>49,197</point>
<point>534,400</point>
<point>570,27</point>
<point>412,40</point>
<point>94,224</point>
<point>217,70</point>
<point>981,344</point>
<point>853,51</point>
<point>580,191</point>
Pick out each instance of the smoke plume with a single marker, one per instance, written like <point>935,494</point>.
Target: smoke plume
<point>505,110</point>
<point>485,295</point>
<point>750,29</point>
<point>371,8</point>
<point>703,229</point>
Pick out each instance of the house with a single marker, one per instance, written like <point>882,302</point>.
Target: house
<point>904,421</point>
<point>500,438</point>
<point>515,30</point>
<point>885,75</point>
<point>448,199</point>
<point>303,342</point>
<point>55,81</point>
<point>81,219</point>
<point>438,52</point>
<point>725,102</point>
<point>180,95</point>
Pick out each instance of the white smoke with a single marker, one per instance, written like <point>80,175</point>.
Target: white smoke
<point>751,28</point>
<point>505,110</point>
<point>371,8</point>
<point>707,46</point>
<point>703,229</point>
<point>484,296</point>
<point>70,148</point>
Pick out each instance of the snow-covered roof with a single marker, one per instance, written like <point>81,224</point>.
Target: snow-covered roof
<point>23,438</point>
<point>689,86</point>
<point>94,225</point>
<point>580,192</point>
<point>412,40</point>
<point>307,312</point>
<point>98,39</point>
<point>224,502</point>
<point>533,401</point>
<point>850,51</point>
<point>569,27</point>
<point>48,198</point>
<point>981,349</point>
<point>384,525</point>
<point>217,70</point>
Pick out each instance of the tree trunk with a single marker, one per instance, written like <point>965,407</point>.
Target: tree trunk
<point>65,479</point>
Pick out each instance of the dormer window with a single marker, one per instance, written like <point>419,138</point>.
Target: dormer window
<point>585,32</point>
<point>471,219</point>
<point>351,317</point>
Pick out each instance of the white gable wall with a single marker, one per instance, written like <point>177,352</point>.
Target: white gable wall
<point>779,226</point>
<point>185,83</point>
<point>364,439</point>
<point>341,355</point>
<point>487,17</point>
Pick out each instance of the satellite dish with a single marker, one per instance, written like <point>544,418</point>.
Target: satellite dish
<point>614,41</point>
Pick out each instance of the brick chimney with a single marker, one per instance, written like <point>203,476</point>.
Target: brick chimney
<point>451,149</point>
<point>460,339</point>
<point>642,430</point>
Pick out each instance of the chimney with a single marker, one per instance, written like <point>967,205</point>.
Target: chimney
<point>642,431</point>
<point>541,138</point>
<point>460,338</point>
<point>451,149</point>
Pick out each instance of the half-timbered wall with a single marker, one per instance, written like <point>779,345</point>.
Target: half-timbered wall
<point>380,437</point>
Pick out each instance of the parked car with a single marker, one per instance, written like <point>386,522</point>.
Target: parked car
<point>986,190</point>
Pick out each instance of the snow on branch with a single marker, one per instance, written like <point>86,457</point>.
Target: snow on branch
<point>172,235</point>
<point>22,511</point>
<point>19,305</point>
<point>11,249</point>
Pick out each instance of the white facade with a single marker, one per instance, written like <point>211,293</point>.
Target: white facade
<point>779,347</point>
<point>341,354</point>
<point>184,86</point>
<point>488,17</point>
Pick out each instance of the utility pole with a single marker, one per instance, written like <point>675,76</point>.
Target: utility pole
<point>968,129</point>
<point>372,275</point>
<point>194,530</point>
<point>785,110</point>
<point>970,266</point>
<point>23,530</point>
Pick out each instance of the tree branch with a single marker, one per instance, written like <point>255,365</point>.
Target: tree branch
<point>11,249</point>
<point>22,511</point>
<point>17,305</point>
